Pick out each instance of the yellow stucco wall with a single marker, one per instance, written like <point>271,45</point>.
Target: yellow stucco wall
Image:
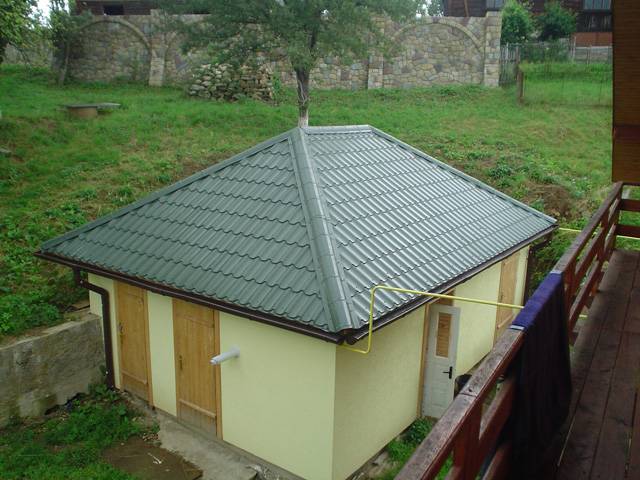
<point>95,305</point>
<point>477,322</point>
<point>277,397</point>
<point>376,394</point>
<point>163,371</point>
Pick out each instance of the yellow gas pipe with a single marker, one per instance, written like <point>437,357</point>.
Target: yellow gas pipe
<point>426,294</point>
<point>573,230</point>
<point>418,292</point>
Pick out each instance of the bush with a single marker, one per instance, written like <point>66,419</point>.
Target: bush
<point>517,22</point>
<point>556,22</point>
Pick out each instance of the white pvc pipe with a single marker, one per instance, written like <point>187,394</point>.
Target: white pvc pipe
<point>232,353</point>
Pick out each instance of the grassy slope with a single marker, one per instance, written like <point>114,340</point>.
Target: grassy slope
<point>64,172</point>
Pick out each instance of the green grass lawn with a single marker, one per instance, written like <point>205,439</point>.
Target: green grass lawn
<point>63,172</point>
<point>568,84</point>
<point>68,446</point>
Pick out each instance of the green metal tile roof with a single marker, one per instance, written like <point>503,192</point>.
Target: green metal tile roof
<point>303,225</point>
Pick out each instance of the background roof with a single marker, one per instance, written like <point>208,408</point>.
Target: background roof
<point>303,225</point>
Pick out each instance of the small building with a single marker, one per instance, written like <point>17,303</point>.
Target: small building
<point>269,259</point>
<point>593,17</point>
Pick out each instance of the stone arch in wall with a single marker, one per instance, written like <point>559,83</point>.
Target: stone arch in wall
<point>178,66</point>
<point>111,48</point>
<point>435,51</point>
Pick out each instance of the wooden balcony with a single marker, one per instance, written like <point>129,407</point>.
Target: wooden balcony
<point>601,435</point>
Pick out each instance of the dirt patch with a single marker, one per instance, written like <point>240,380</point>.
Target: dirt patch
<point>557,200</point>
<point>149,462</point>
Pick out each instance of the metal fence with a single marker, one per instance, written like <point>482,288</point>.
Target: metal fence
<point>547,52</point>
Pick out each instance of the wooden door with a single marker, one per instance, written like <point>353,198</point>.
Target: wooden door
<point>444,323</point>
<point>507,294</point>
<point>197,381</point>
<point>133,334</point>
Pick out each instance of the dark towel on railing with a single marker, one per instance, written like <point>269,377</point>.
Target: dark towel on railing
<point>543,370</point>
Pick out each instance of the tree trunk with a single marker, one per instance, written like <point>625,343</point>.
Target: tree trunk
<point>302,77</point>
<point>62,74</point>
<point>3,46</point>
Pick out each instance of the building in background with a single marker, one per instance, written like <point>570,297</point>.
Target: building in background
<point>594,24</point>
<point>121,7</point>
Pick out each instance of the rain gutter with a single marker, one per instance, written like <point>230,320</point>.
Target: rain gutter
<point>195,298</point>
<point>350,336</point>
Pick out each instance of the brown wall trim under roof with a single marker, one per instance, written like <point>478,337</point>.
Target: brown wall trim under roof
<point>349,336</point>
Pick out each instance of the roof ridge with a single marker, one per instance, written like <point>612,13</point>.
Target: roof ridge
<point>330,271</point>
<point>336,129</point>
<point>463,175</point>
<point>166,190</point>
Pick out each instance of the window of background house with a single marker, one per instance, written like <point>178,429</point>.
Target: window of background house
<point>113,9</point>
<point>495,4</point>
<point>597,4</point>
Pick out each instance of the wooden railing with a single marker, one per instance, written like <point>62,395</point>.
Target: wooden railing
<point>581,265</point>
<point>470,430</point>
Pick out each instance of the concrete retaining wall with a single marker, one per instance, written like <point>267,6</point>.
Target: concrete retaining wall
<point>47,369</point>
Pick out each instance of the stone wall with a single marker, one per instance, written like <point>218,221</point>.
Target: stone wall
<point>39,54</point>
<point>44,370</point>
<point>433,51</point>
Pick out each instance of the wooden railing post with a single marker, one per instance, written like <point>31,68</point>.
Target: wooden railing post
<point>569,284</point>
<point>465,452</point>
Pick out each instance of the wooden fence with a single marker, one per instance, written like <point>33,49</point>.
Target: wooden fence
<point>471,428</point>
<point>509,62</point>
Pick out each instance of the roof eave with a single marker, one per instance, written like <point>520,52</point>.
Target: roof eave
<point>173,292</point>
<point>354,336</point>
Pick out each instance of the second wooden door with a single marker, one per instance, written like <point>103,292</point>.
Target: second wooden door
<point>197,381</point>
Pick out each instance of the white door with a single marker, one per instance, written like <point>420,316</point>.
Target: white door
<point>440,374</point>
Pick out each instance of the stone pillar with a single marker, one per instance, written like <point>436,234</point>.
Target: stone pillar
<point>158,42</point>
<point>492,30</point>
<point>374,71</point>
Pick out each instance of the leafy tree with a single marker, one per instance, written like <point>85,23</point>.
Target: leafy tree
<point>300,31</point>
<point>517,22</point>
<point>17,25</point>
<point>64,29</point>
<point>556,21</point>
<point>435,8</point>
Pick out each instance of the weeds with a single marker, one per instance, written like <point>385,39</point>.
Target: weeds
<point>68,446</point>
<point>401,449</point>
